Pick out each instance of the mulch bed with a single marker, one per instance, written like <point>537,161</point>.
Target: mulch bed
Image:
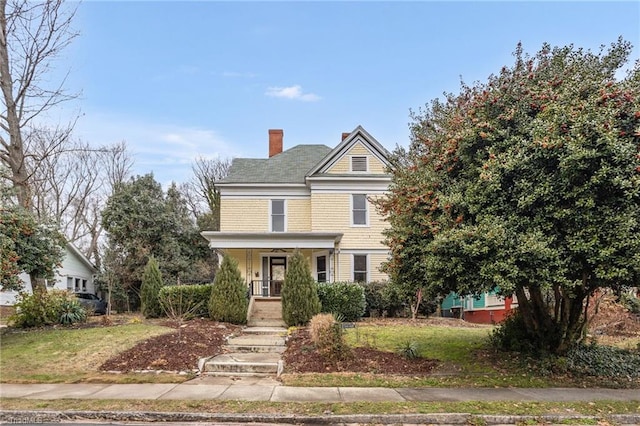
<point>302,357</point>
<point>176,351</point>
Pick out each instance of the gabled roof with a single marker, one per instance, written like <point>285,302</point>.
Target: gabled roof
<point>84,259</point>
<point>359,134</point>
<point>290,166</point>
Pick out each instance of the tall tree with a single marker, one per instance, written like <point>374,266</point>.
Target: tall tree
<point>141,221</point>
<point>207,173</point>
<point>528,184</point>
<point>32,35</point>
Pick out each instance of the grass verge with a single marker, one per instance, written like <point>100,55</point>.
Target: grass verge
<point>599,408</point>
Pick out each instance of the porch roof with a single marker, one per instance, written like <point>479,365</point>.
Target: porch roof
<point>272,240</point>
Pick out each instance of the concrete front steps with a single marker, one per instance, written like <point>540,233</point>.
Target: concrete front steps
<point>265,312</point>
<point>256,352</point>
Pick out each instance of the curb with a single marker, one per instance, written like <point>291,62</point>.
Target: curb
<point>14,417</point>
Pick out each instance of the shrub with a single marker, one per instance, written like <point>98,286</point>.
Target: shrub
<point>328,337</point>
<point>151,285</point>
<point>228,301</point>
<point>603,361</point>
<point>185,300</point>
<point>300,300</point>
<point>346,300</point>
<point>71,312</point>
<point>383,299</point>
<point>631,302</point>
<point>46,308</point>
<point>511,335</point>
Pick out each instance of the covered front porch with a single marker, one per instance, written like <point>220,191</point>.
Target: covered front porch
<point>263,257</point>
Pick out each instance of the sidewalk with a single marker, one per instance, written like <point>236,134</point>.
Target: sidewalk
<point>266,389</point>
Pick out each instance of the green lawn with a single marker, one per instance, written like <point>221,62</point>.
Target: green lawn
<point>455,345</point>
<point>70,355</point>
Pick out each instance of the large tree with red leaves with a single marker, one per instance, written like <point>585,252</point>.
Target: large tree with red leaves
<point>528,184</point>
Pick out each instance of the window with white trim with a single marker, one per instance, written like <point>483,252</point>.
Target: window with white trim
<point>277,216</point>
<point>359,209</point>
<point>321,269</point>
<point>360,262</point>
<point>359,163</point>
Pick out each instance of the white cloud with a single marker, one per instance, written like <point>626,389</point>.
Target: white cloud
<point>167,150</point>
<point>292,92</point>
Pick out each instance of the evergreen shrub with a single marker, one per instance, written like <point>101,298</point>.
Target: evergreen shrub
<point>228,301</point>
<point>300,300</point>
<point>151,285</point>
<point>383,299</point>
<point>343,299</point>
<point>190,300</point>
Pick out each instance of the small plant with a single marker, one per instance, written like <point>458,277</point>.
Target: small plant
<point>409,350</point>
<point>328,337</point>
<point>71,312</point>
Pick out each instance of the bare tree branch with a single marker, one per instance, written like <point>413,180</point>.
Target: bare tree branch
<point>32,36</point>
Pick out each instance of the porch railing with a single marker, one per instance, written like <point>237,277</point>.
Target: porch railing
<point>265,288</point>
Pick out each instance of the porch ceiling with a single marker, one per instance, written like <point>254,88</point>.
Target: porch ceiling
<point>272,240</point>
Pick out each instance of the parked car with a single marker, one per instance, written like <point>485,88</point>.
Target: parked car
<point>92,303</point>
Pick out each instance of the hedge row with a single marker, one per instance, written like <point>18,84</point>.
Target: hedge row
<point>189,300</point>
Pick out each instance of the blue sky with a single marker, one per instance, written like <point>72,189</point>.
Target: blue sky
<point>177,80</point>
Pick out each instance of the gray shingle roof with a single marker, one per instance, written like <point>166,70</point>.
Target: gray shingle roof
<point>290,166</point>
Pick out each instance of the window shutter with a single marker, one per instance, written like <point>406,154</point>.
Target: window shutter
<point>359,164</point>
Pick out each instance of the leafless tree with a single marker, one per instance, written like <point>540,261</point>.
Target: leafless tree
<point>71,184</point>
<point>207,173</point>
<point>32,35</point>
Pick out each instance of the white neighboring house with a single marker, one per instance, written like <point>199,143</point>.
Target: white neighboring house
<point>76,274</point>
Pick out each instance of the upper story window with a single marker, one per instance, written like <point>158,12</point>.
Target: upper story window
<point>359,163</point>
<point>359,209</point>
<point>277,216</point>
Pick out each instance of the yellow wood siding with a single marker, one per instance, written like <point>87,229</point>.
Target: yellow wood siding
<point>345,267</point>
<point>332,213</point>
<point>343,165</point>
<point>244,215</point>
<point>298,215</point>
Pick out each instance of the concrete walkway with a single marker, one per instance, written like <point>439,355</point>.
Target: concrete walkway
<point>267,389</point>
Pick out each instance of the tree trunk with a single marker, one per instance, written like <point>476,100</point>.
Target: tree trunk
<point>14,146</point>
<point>37,284</point>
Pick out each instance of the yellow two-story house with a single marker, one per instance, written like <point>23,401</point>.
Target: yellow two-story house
<point>309,197</point>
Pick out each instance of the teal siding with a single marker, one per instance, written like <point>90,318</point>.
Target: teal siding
<point>451,301</point>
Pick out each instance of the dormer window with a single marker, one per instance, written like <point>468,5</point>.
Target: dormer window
<point>359,163</point>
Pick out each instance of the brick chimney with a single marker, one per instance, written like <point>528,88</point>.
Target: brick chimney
<point>275,141</point>
<point>345,135</point>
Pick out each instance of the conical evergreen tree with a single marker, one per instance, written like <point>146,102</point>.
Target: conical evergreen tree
<point>151,285</point>
<point>228,300</point>
<point>300,299</point>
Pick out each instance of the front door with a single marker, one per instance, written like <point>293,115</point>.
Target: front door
<point>277,269</point>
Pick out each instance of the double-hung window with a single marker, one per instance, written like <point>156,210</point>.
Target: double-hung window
<point>360,262</point>
<point>359,209</point>
<point>321,266</point>
<point>277,216</point>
